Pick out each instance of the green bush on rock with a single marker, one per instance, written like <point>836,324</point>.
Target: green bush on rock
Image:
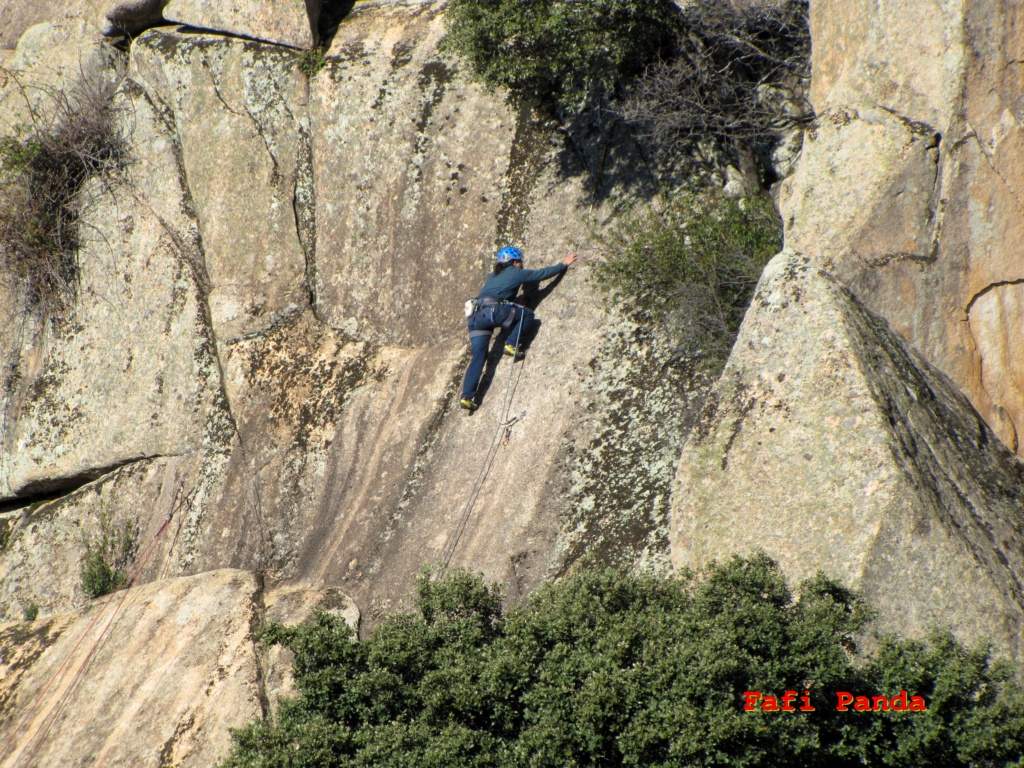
<point>606,668</point>
<point>560,50</point>
<point>106,561</point>
<point>692,261</point>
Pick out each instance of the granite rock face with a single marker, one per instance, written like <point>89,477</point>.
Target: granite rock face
<point>239,112</point>
<point>323,265</point>
<point>263,365</point>
<point>136,351</point>
<point>834,447</point>
<point>285,22</point>
<point>910,186</point>
<point>413,171</point>
<point>151,677</point>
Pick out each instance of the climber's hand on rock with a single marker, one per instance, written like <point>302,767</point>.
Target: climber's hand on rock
<point>568,260</point>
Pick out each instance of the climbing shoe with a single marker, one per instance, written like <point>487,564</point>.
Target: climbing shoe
<point>468,404</point>
<point>513,352</point>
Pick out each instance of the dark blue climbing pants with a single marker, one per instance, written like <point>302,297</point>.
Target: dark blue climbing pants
<point>481,325</point>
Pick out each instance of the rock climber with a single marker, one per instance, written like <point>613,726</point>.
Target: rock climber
<point>494,308</point>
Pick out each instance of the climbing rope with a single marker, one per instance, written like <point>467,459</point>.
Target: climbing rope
<point>504,423</point>
<point>58,707</point>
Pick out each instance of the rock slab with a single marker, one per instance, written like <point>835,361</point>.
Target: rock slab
<point>159,686</point>
<point>834,447</point>
<point>155,676</point>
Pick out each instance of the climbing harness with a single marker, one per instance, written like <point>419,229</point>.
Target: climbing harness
<point>504,423</point>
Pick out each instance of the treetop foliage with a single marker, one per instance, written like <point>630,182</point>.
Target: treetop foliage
<point>560,50</point>
<point>614,669</point>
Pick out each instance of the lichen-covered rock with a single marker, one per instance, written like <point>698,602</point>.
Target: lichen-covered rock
<point>331,450</point>
<point>286,22</point>
<point>156,679</point>
<point>131,375</point>
<point>416,179</point>
<point>923,221</point>
<point>836,448</point>
<point>239,113</point>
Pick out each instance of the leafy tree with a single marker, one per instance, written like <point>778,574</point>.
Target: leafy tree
<point>737,79</point>
<point>560,51</point>
<point>613,669</point>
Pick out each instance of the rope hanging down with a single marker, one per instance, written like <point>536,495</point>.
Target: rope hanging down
<point>504,423</point>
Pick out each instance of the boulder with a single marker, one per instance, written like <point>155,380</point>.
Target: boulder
<point>50,58</point>
<point>133,16</point>
<point>154,680</point>
<point>155,676</point>
<point>878,179</point>
<point>835,447</point>
<point>285,22</point>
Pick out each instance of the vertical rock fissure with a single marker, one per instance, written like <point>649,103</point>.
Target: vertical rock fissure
<point>257,620</point>
<point>304,209</point>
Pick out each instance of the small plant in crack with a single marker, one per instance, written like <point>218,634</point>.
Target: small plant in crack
<point>312,61</point>
<point>30,612</point>
<point>107,560</point>
<point>45,165</point>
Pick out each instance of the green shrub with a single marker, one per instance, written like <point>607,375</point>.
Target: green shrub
<point>106,562</point>
<point>30,612</point>
<point>312,61</point>
<point>44,167</point>
<point>559,50</point>
<point>610,669</point>
<point>691,262</point>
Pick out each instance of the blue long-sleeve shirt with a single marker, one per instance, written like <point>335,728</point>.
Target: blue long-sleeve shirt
<point>504,286</point>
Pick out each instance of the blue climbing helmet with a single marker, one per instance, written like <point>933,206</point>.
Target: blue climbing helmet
<point>508,254</point>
